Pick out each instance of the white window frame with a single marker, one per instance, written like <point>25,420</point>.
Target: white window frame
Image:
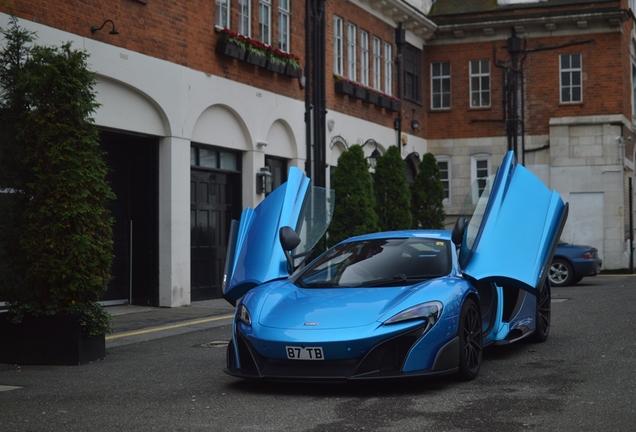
<point>479,71</point>
<point>245,18</point>
<point>476,173</point>
<point>364,57</point>
<point>265,21</point>
<point>222,18</point>
<point>352,32</point>
<point>377,63</point>
<point>572,73</point>
<point>338,66</point>
<point>388,68</point>
<point>446,183</point>
<point>440,79</point>
<point>284,22</point>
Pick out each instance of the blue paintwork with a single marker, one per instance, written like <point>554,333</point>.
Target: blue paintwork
<point>257,255</point>
<point>517,236</point>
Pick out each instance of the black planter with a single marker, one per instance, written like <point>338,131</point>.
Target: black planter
<point>277,67</point>
<point>344,87</point>
<point>384,102</point>
<point>372,97</point>
<point>256,58</point>
<point>360,92</point>
<point>396,105</point>
<point>48,340</point>
<point>293,70</point>
<point>229,49</point>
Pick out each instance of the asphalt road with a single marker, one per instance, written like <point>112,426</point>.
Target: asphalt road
<point>581,379</point>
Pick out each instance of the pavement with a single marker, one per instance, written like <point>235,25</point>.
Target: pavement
<point>133,324</point>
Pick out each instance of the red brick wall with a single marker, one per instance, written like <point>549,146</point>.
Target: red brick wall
<point>386,32</point>
<point>181,32</point>
<point>605,81</point>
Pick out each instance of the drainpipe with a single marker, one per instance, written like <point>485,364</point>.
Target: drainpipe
<point>400,41</point>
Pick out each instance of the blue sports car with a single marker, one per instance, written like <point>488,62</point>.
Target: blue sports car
<point>389,304</point>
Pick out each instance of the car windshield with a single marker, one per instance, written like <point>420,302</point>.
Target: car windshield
<point>378,262</point>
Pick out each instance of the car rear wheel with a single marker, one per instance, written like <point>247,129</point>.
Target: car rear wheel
<point>543,314</point>
<point>561,273</point>
<point>470,341</point>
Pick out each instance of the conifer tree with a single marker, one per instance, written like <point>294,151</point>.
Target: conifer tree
<point>427,195</point>
<point>392,194</point>
<point>354,212</point>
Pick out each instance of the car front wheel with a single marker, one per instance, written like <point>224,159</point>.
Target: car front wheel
<point>470,341</point>
<point>561,273</point>
<point>543,314</point>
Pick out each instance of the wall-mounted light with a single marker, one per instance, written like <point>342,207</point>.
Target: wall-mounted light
<point>263,181</point>
<point>261,143</point>
<point>95,29</point>
<point>415,123</point>
<point>375,153</point>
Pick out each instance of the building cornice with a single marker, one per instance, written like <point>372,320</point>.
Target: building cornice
<point>413,18</point>
<point>497,27</point>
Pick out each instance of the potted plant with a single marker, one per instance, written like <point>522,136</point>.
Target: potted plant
<point>343,85</point>
<point>359,91</point>
<point>55,229</point>
<point>292,68</point>
<point>276,61</point>
<point>384,101</point>
<point>231,44</point>
<point>372,96</point>
<point>256,53</point>
<point>396,104</point>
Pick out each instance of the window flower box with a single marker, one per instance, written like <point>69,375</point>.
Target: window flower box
<point>230,49</point>
<point>344,87</point>
<point>372,97</point>
<point>293,70</point>
<point>385,102</point>
<point>276,65</point>
<point>359,92</point>
<point>396,105</point>
<point>256,58</point>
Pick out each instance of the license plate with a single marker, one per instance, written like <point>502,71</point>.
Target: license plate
<point>302,353</point>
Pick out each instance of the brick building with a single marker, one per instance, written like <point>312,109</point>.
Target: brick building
<point>188,127</point>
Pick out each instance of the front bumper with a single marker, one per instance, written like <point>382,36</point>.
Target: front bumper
<point>385,360</point>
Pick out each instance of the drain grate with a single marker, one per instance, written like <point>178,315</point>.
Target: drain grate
<point>214,344</point>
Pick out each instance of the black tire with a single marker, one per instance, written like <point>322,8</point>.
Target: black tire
<point>561,273</point>
<point>543,313</point>
<point>470,341</point>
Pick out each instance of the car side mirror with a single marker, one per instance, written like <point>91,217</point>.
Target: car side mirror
<point>457,235</point>
<point>289,239</point>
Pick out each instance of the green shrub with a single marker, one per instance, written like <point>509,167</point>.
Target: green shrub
<point>391,191</point>
<point>56,232</point>
<point>354,211</point>
<point>427,195</point>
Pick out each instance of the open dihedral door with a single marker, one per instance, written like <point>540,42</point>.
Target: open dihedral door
<point>514,232</point>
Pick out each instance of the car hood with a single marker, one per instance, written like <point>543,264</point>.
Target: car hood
<point>289,307</point>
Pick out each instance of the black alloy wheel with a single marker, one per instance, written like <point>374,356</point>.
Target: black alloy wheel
<point>543,313</point>
<point>560,273</point>
<point>470,341</point>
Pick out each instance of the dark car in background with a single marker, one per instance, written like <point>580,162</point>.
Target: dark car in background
<point>571,263</point>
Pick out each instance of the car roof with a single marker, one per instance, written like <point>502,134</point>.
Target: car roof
<point>433,234</point>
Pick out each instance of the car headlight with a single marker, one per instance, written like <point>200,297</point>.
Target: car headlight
<point>243,315</point>
<point>430,311</point>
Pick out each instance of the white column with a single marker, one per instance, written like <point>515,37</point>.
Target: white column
<point>174,222</point>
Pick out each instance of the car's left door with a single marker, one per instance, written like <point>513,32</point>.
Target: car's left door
<point>255,254</point>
